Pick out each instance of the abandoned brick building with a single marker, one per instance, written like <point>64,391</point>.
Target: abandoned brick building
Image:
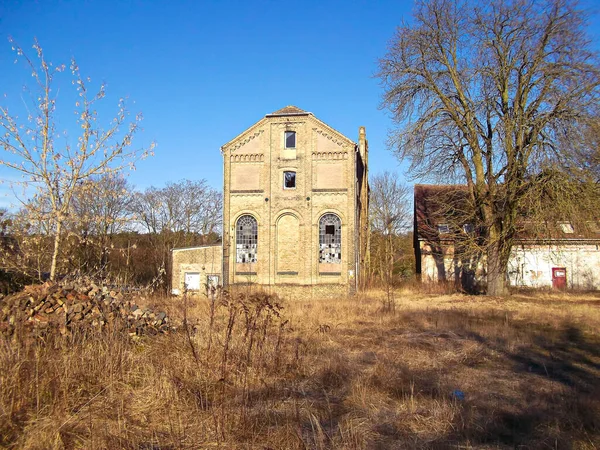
<point>295,199</point>
<point>558,254</point>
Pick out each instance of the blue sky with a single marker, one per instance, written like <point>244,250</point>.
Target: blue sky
<point>203,71</point>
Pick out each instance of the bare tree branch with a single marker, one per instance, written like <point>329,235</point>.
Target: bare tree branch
<point>489,92</point>
<point>56,171</point>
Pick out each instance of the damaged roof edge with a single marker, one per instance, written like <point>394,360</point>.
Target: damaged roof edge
<point>197,247</point>
<point>289,110</point>
<point>306,113</point>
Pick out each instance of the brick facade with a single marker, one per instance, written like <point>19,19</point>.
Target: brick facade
<point>330,178</point>
<point>304,237</point>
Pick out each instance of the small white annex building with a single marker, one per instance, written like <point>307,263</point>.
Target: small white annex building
<point>197,269</point>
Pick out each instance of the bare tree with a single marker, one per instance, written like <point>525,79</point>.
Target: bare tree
<point>101,209</point>
<point>104,203</point>
<point>54,168</point>
<point>5,242</point>
<point>486,93</point>
<point>390,216</point>
<point>389,204</point>
<point>184,207</point>
<point>3,220</point>
<point>180,214</point>
<point>196,207</point>
<point>27,246</point>
<point>589,150</point>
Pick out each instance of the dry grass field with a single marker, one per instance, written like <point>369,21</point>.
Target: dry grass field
<point>442,371</point>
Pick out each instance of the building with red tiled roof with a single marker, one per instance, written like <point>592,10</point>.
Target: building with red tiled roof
<point>545,254</point>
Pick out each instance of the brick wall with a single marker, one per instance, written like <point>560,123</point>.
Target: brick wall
<point>205,260</point>
<point>325,163</point>
<point>298,292</point>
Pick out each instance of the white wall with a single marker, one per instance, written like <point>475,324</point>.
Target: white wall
<point>532,265</point>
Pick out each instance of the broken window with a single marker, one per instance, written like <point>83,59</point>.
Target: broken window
<point>290,139</point>
<point>330,239</point>
<point>246,239</point>
<point>289,180</point>
<point>567,227</point>
<point>443,228</point>
<point>468,228</point>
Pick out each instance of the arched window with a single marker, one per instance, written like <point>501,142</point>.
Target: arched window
<point>246,239</point>
<point>330,239</point>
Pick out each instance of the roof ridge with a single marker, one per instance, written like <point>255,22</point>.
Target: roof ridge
<point>288,110</point>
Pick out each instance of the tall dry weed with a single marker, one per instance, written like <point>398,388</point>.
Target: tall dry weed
<point>250,371</point>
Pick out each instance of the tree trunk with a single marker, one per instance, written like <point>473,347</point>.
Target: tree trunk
<point>496,271</point>
<point>390,280</point>
<point>56,249</point>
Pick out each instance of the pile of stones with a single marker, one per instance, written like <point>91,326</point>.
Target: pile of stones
<point>77,306</point>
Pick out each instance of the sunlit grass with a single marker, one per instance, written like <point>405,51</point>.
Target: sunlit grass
<point>442,371</point>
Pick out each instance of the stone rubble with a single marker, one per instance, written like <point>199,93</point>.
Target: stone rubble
<point>75,305</point>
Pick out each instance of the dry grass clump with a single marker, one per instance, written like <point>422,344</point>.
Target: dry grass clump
<point>249,371</point>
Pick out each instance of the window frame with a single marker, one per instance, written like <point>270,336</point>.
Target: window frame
<point>247,241</point>
<point>329,246</point>
<point>285,139</point>
<point>443,228</point>
<point>566,227</point>
<point>189,287</point>
<point>295,179</point>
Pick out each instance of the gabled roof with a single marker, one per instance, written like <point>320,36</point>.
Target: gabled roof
<point>439,204</point>
<point>450,205</point>
<point>289,110</point>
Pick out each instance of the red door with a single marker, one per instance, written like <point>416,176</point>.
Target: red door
<point>559,277</point>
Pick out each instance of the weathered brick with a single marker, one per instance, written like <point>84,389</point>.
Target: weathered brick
<point>331,177</point>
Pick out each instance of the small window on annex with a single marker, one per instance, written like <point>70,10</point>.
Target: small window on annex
<point>566,227</point>
<point>468,228</point>
<point>330,239</point>
<point>289,180</point>
<point>290,139</point>
<point>443,228</point>
<point>192,281</point>
<point>246,239</point>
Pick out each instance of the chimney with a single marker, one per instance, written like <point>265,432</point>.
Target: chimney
<point>362,143</point>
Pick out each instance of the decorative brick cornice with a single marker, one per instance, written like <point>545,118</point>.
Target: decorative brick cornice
<point>256,157</point>
<point>286,123</point>
<point>246,192</point>
<point>330,155</point>
<point>330,191</point>
<point>332,138</point>
<point>247,139</point>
